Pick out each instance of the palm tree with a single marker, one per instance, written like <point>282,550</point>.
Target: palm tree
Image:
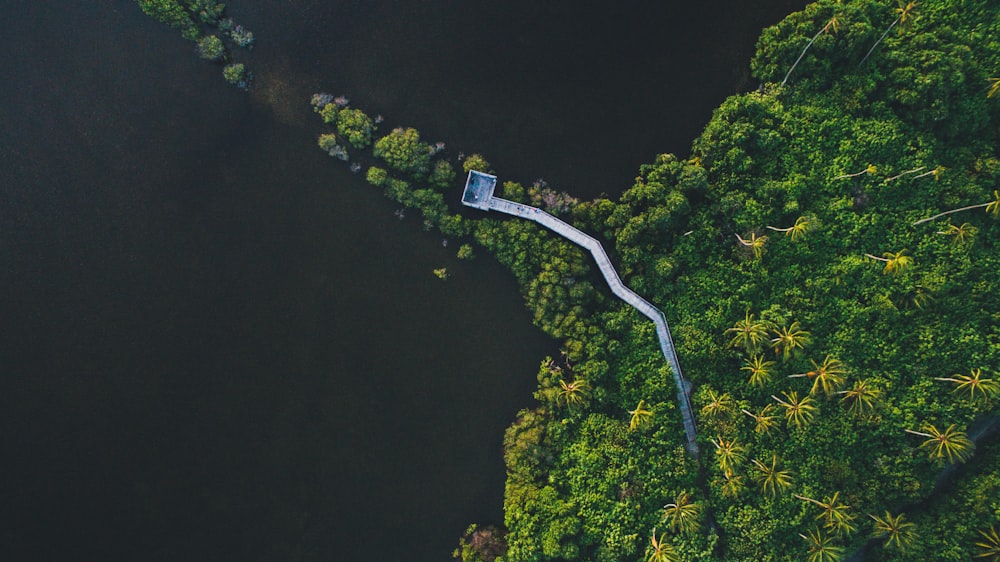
<point>961,234</point>
<point>640,416</point>
<point>748,333</point>
<point>755,243</point>
<point>718,405</point>
<point>828,376</point>
<point>727,453</point>
<point>906,16</point>
<point>682,514</point>
<point>798,411</point>
<point>992,208</point>
<point>662,550</point>
<point>950,443</point>
<point>861,398</point>
<point>978,387</point>
<point>898,532</point>
<point>994,87</point>
<point>789,339</point>
<point>869,169</point>
<point>835,515</point>
<point>732,485</point>
<point>990,545</point>
<point>765,419</point>
<point>906,173</point>
<point>759,369</point>
<point>832,24</point>
<point>573,393</point>
<point>798,230</point>
<point>820,549</point>
<point>894,262</point>
<point>917,296</point>
<point>770,478</point>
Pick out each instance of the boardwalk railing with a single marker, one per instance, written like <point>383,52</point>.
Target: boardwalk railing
<point>621,291</point>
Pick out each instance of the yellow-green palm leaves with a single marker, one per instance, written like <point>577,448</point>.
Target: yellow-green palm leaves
<point>862,398</point>
<point>950,443</point>
<point>727,453</point>
<point>573,393</point>
<point>798,411</point>
<point>798,230</point>
<point>836,515</point>
<point>989,546</point>
<point>788,340</point>
<point>960,234</point>
<point>821,547</point>
<point>759,369</point>
<point>764,420</point>
<point>640,416</point>
<point>895,262</point>
<point>977,387</point>
<point>749,333</point>
<point>718,405</point>
<point>898,532</point>
<point>827,376</point>
<point>662,551</point>
<point>770,478</point>
<point>682,514</point>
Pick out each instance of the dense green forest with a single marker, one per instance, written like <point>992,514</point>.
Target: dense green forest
<point>827,257</point>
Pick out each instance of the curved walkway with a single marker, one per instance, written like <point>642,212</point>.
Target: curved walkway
<point>621,291</point>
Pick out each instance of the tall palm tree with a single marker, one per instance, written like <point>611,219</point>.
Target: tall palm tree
<point>719,404</point>
<point>905,17</point>
<point>573,393</point>
<point>820,547</point>
<point>832,24</point>
<point>960,234</point>
<point>862,398</point>
<point>755,243</point>
<point>994,87</point>
<point>798,230</point>
<point>732,485</point>
<point>798,411</point>
<point>992,208</point>
<point>749,333</point>
<point>950,443</point>
<point>765,420</point>
<point>836,516</point>
<point>977,387</point>
<point>990,545</point>
<point>828,376</point>
<point>898,532</point>
<point>682,514</point>
<point>759,369</point>
<point>894,262</point>
<point>640,416</point>
<point>790,339</point>
<point>727,453</point>
<point>662,550</point>
<point>770,478</point>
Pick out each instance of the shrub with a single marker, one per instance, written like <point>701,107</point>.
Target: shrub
<point>237,75</point>
<point>476,162</point>
<point>442,175</point>
<point>355,127</point>
<point>376,176</point>
<point>210,47</point>
<point>329,113</point>
<point>403,151</point>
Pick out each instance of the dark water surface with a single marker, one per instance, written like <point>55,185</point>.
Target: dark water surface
<point>217,344</point>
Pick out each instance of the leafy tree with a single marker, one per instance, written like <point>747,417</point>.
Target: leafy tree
<point>764,420</point>
<point>329,113</point>
<point>821,548</point>
<point>465,252</point>
<point>376,176</point>
<point>208,11</point>
<point>441,273</point>
<point>682,514</point>
<point>236,74</point>
<point>898,532</point>
<point>862,398</point>
<point>826,377</point>
<point>169,12</point>
<point>355,127</point>
<point>788,340</point>
<point>640,416</point>
<point>759,369</point>
<point>442,176</point>
<point>770,478</point>
<point>798,411</point>
<point>748,333</point>
<point>210,48</point>
<point>475,162</point>
<point>950,443</point>
<point>978,387</point>
<point>403,151</point>
<point>989,545</point>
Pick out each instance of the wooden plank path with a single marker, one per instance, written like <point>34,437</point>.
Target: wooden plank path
<point>590,243</point>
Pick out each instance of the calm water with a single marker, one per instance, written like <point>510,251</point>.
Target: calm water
<point>216,343</point>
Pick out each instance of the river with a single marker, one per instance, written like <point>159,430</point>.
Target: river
<point>218,344</point>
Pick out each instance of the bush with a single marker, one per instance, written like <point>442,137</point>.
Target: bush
<point>355,127</point>
<point>235,74</point>
<point>207,11</point>
<point>329,113</point>
<point>376,176</point>
<point>328,143</point>
<point>476,162</point>
<point>442,176</point>
<point>403,151</point>
<point>211,48</point>
<point>465,252</point>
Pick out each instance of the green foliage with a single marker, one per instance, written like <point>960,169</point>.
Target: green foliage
<point>442,176</point>
<point>207,11</point>
<point>403,151</point>
<point>475,162</point>
<point>465,252</point>
<point>376,176</point>
<point>169,12</point>
<point>210,48</point>
<point>329,113</point>
<point>354,126</point>
<point>236,74</point>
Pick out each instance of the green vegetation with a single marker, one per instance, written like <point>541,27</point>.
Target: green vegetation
<point>843,338</point>
<point>210,48</point>
<point>237,75</point>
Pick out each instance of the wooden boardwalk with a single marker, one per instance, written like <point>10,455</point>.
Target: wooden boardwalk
<point>621,291</point>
